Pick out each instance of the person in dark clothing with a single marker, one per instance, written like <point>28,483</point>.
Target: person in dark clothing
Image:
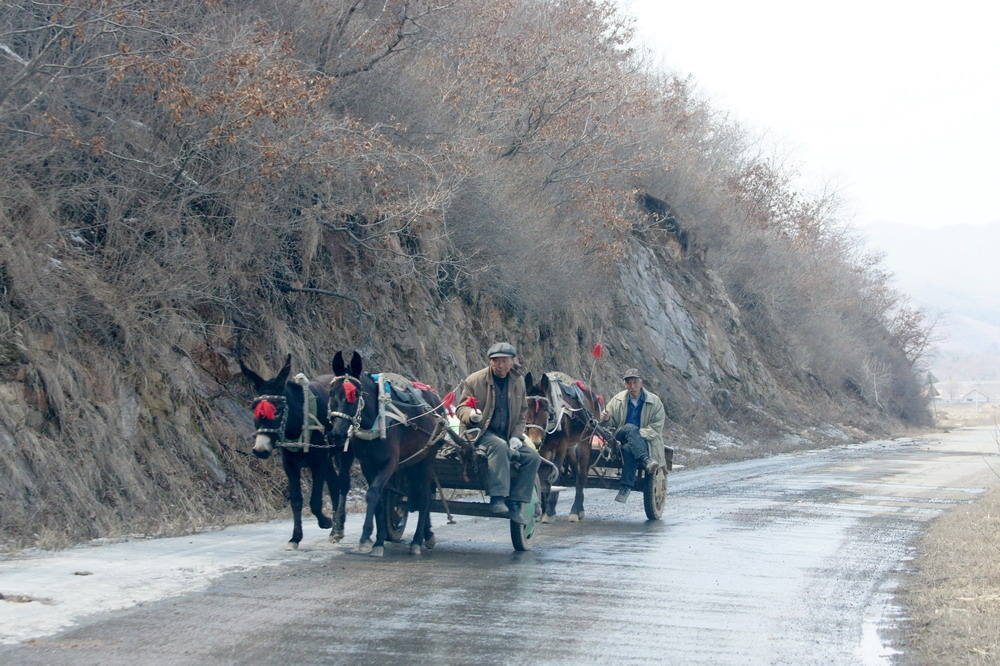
<point>494,399</point>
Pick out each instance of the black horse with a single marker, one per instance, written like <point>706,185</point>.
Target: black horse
<point>410,447</point>
<point>279,409</point>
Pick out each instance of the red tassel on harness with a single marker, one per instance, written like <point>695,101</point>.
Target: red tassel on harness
<point>265,411</point>
<point>448,400</point>
<point>472,402</point>
<point>583,387</point>
<point>351,391</point>
<point>598,350</point>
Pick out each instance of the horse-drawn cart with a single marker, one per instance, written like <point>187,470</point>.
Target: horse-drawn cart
<point>460,467</point>
<point>605,471</point>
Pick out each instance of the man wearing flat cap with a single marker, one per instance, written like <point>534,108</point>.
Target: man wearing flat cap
<point>636,417</point>
<point>494,400</point>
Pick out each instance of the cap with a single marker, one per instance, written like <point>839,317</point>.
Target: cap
<point>501,349</point>
<point>631,372</point>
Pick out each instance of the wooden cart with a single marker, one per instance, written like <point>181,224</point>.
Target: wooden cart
<point>459,466</point>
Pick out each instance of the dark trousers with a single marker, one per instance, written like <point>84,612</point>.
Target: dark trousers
<point>516,483</point>
<point>634,450</point>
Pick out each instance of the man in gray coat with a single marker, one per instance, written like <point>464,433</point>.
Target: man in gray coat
<point>636,417</point>
<point>494,400</point>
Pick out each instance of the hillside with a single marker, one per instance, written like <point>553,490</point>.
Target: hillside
<point>186,184</point>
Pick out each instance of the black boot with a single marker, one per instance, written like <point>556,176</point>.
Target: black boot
<point>516,512</point>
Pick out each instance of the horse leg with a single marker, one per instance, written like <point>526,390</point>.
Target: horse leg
<point>582,467</point>
<point>420,487</point>
<point>371,502</point>
<point>559,462</point>
<point>293,474</point>
<point>319,465</point>
<point>549,498</point>
<point>381,529</point>
<point>339,484</point>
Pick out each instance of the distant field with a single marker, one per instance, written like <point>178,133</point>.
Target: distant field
<point>952,416</point>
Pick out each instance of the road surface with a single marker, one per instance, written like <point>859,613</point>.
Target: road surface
<point>784,560</point>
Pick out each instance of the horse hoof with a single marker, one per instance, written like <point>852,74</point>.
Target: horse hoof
<point>325,523</point>
<point>292,546</point>
<point>574,518</point>
<point>335,538</point>
<point>365,547</point>
<point>430,543</point>
<point>415,549</point>
<point>378,551</point>
<point>548,519</point>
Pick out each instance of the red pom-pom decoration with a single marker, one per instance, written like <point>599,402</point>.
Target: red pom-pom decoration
<point>472,402</point>
<point>351,391</point>
<point>265,410</point>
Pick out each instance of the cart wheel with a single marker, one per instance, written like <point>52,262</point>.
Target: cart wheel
<point>394,503</point>
<point>654,494</point>
<point>520,535</point>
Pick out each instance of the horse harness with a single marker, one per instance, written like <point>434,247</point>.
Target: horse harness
<point>310,420</point>
<point>387,409</point>
<point>554,420</point>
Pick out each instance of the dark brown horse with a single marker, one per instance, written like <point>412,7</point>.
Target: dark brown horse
<point>559,417</point>
<point>357,405</point>
<point>279,415</point>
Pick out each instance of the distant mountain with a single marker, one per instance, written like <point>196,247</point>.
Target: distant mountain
<point>954,272</point>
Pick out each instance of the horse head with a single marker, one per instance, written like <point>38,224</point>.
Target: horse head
<point>270,407</point>
<point>539,408</point>
<point>353,399</point>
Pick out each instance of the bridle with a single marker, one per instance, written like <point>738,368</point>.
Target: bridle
<point>354,418</point>
<point>546,430</point>
<point>279,402</point>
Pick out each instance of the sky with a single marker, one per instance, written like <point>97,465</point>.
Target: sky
<point>894,105</point>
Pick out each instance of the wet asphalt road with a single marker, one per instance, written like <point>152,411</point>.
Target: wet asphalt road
<point>784,560</point>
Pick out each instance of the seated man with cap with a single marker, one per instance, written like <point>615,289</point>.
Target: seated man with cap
<point>494,399</point>
<point>636,417</point>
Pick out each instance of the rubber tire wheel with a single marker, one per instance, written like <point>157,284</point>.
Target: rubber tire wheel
<point>521,535</point>
<point>654,494</point>
<point>394,504</point>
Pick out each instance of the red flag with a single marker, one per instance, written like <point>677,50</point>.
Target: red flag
<point>598,350</point>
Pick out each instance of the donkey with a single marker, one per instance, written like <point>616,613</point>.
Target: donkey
<point>279,411</point>
<point>559,425</point>
<point>408,443</point>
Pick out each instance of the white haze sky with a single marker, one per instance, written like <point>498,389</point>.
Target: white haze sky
<point>895,105</point>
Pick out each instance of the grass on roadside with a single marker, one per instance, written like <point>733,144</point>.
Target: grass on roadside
<point>953,596</point>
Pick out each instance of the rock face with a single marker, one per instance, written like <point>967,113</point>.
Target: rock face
<point>94,444</point>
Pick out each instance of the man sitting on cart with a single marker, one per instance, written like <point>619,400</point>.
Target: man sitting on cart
<point>636,417</point>
<point>494,400</point>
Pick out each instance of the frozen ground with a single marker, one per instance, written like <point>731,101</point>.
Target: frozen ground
<point>45,592</point>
